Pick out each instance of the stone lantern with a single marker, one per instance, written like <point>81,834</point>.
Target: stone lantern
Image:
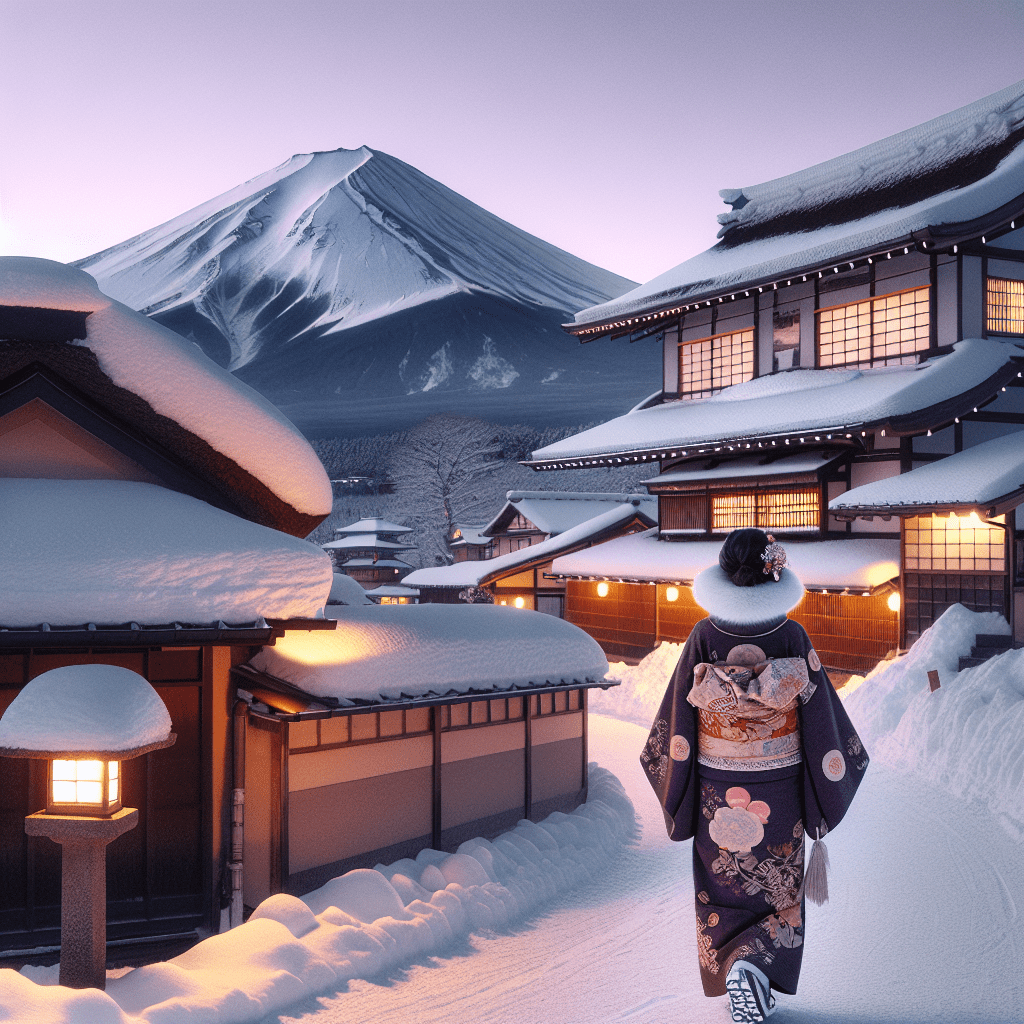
<point>84,720</point>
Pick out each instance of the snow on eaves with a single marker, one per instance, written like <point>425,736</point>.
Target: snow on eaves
<point>693,473</point>
<point>858,564</point>
<point>85,709</point>
<point>116,551</point>
<point>414,650</point>
<point>470,573</point>
<point>975,476</point>
<point>362,526</point>
<point>912,155</point>
<point>554,512</point>
<point>178,381</point>
<point>794,401</point>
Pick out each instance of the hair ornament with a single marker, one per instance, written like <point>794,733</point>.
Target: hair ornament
<point>774,558</point>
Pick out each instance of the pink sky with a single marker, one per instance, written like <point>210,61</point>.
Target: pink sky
<point>606,128</point>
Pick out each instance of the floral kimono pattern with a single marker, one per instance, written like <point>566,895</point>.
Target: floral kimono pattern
<point>750,748</point>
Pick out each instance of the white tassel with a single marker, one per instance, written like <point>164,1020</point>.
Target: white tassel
<point>815,883</point>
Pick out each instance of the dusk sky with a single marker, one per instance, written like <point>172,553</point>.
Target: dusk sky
<point>606,128</point>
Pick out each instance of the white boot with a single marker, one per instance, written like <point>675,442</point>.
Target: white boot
<point>750,993</point>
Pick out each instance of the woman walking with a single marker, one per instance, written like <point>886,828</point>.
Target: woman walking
<point>750,749</point>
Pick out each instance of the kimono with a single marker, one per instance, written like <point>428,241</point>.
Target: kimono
<point>751,748</point>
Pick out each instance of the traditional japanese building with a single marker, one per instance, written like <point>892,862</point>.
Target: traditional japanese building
<point>531,529</point>
<point>368,550</point>
<point>857,320</point>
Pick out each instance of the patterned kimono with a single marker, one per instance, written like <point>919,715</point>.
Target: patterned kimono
<point>751,748</point>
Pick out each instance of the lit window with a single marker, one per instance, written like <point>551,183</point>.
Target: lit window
<point>1005,307</point>
<point>711,364</point>
<point>785,511</point>
<point>953,544</point>
<point>891,329</point>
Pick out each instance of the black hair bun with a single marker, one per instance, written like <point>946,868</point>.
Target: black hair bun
<point>742,558</point>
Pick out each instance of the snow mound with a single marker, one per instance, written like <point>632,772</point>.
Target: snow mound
<point>288,951</point>
<point>85,709</point>
<point>642,687</point>
<point>345,590</point>
<point>388,652</point>
<point>178,381</point>
<point>117,551</point>
<point>964,737</point>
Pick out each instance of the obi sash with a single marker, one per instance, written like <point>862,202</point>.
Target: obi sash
<point>747,717</point>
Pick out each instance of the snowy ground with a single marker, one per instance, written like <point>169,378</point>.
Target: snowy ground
<point>922,926</point>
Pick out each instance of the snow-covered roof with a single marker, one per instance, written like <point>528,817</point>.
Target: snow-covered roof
<point>860,564</point>
<point>819,402</point>
<point>743,468</point>
<point>373,526</point>
<point>417,650</point>
<point>116,551</point>
<point>554,512</point>
<point>474,573</point>
<point>472,535</point>
<point>85,710</point>
<point>384,563</point>
<point>365,542</point>
<point>345,590</point>
<point>179,382</point>
<point>393,590</point>
<point>977,477</point>
<point>953,169</point>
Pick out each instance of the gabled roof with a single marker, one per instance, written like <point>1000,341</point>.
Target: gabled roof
<point>819,406</point>
<point>469,534</point>
<point>945,181</point>
<point>860,565</point>
<point>808,465</point>
<point>365,542</point>
<point>554,512</point>
<point>988,478</point>
<point>640,509</point>
<point>196,426</point>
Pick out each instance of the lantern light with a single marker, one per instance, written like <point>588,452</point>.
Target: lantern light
<point>519,602</point>
<point>672,594</point>
<point>602,590</point>
<point>894,601</point>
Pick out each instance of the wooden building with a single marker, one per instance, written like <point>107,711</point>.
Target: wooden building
<point>367,551</point>
<point>531,529</point>
<point>857,320</point>
<point>409,727</point>
<point>140,530</point>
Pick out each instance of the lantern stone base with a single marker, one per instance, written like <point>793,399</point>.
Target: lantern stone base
<point>83,920</point>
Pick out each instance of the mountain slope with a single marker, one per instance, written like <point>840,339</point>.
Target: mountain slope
<point>356,292</point>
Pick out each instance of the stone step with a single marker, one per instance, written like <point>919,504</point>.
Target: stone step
<point>987,652</point>
<point>970,663</point>
<point>997,640</point>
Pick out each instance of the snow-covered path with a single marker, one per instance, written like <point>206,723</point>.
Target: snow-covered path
<point>923,926</point>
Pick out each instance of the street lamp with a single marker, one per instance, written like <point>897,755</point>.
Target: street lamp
<point>84,720</point>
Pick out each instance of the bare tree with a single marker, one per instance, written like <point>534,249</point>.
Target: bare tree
<point>439,472</point>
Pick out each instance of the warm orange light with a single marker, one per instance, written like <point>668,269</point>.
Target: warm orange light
<point>672,594</point>
<point>602,590</point>
<point>520,603</point>
<point>82,784</point>
<point>894,601</point>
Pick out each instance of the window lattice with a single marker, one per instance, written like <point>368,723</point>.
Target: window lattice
<point>890,329</point>
<point>1005,306</point>
<point>959,543</point>
<point>711,364</point>
<point>785,511</point>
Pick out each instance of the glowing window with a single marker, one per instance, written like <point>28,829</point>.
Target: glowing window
<point>784,511</point>
<point>1005,306</point>
<point>887,330</point>
<point>714,363</point>
<point>953,543</point>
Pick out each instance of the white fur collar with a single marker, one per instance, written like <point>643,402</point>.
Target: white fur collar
<point>746,606</point>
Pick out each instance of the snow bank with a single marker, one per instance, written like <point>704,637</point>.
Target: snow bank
<point>345,590</point>
<point>85,709</point>
<point>115,551</point>
<point>178,380</point>
<point>965,737</point>
<point>387,652</point>
<point>360,925</point>
<point>642,686</point>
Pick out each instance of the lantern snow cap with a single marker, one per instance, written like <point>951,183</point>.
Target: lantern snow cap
<point>85,719</point>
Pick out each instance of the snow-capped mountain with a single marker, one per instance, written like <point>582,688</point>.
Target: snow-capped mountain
<point>357,293</point>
